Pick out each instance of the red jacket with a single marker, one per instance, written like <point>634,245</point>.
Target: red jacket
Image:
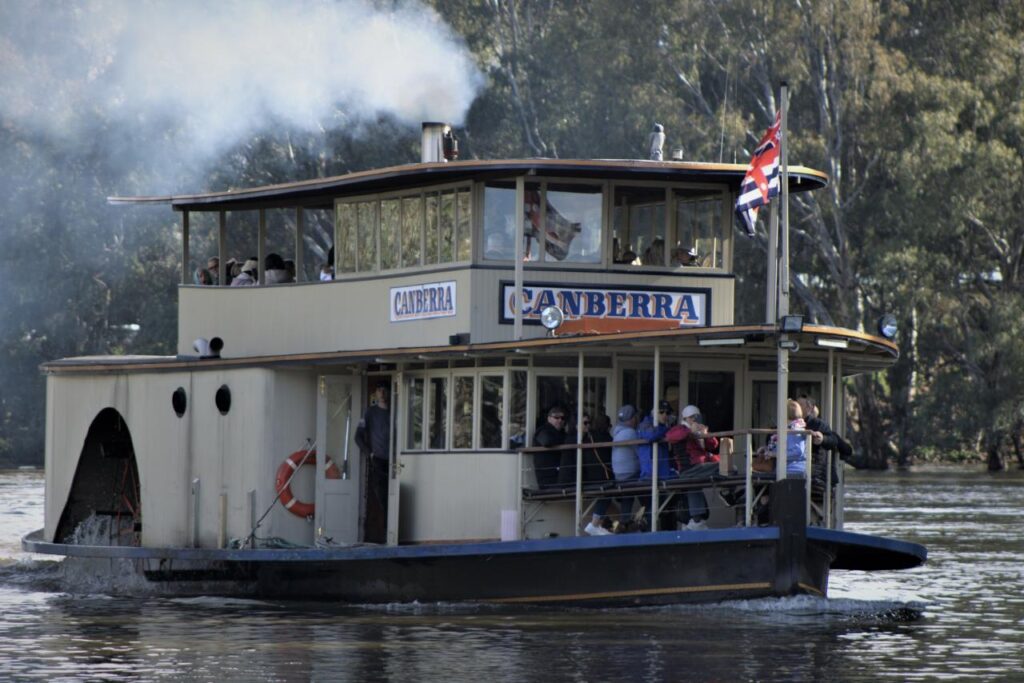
<point>684,442</point>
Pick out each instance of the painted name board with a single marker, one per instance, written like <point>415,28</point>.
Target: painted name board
<point>420,302</point>
<point>686,308</point>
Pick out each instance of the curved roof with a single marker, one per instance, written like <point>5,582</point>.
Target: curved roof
<point>865,352</point>
<point>320,192</point>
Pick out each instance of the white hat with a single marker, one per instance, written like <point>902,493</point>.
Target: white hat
<point>690,411</point>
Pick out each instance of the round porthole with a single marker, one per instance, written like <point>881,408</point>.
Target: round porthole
<point>179,401</point>
<point>223,399</point>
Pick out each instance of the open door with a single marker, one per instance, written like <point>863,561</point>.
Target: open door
<point>338,495</point>
<point>394,463</point>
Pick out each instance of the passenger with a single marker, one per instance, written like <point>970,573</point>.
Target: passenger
<point>691,446</point>
<point>683,256</point>
<point>625,463</point>
<point>596,468</point>
<point>654,255</point>
<point>551,433</point>
<point>213,265</point>
<point>273,270</point>
<point>373,436</point>
<point>202,277</point>
<point>232,269</point>
<point>655,432</point>
<point>823,439</point>
<point>289,269</point>
<point>326,272</point>
<point>247,276</point>
<point>628,256</point>
<point>796,459</point>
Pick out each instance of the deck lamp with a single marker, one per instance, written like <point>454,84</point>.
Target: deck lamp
<point>791,323</point>
<point>887,326</point>
<point>552,317</point>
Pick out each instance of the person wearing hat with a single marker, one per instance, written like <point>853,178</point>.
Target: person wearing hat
<point>692,446</point>
<point>684,256</point>
<point>655,431</point>
<point>247,278</point>
<point>551,433</point>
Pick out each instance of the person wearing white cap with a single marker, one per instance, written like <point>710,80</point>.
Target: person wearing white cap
<point>692,446</point>
<point>247,278</point>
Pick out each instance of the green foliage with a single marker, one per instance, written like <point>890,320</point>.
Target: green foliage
<point>914,110</point>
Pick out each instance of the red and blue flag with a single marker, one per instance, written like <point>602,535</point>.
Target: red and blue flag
<point>761,182</point>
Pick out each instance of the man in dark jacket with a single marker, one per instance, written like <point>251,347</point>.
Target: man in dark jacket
<point>373,436</point>
<point>550,433</point>
<point>823,439</point>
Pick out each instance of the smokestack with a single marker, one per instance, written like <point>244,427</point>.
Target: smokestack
<point>438,143</point>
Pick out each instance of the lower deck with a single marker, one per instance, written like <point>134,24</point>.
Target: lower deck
<point>191,455</point>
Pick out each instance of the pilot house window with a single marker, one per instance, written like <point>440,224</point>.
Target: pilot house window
<point>403,231</point>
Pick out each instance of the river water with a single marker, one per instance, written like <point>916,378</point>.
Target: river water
<point>960,616</point>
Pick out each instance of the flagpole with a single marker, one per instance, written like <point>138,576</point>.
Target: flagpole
<point>782,380</point>
<point>771,312</point>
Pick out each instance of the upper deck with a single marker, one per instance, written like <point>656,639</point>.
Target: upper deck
<point>426,254</point>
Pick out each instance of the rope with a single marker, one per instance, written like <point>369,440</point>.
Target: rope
<point>251,539</point>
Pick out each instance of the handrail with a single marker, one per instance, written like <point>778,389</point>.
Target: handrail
<point>749,453</point>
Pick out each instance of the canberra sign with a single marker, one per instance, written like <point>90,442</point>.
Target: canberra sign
<point>686,308</point>
<point>420,302</point>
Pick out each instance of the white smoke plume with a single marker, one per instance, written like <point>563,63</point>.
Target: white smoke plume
<point>209,73</point>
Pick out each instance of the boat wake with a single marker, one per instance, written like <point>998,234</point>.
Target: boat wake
<point>805,607</point>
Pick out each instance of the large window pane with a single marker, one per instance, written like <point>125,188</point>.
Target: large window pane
<point>699,227</point>
<point>714,393</point>
<point>389,227</point>
<point>414,427</point>
<point>462,420</point>
<point>438,412</point>
<point>345,239</point>
<point>573,223</point>
<point>491,396</point>
<point>412,231</point>
<point>517,410</point>
<point>464,231</point>
<point>366,257</point>
<point>639,226</point>
<point>499,228</point>
<point>431,254</point>
<point>447,227</point>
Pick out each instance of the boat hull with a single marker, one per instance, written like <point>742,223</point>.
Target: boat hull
<point>623,570</point>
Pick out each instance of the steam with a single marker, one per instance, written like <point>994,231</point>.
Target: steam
<point>198,77</point>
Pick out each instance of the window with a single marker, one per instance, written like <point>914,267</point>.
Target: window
<point>414,428</point>
<point>404,231</point>
<point>390,218</point>
<point>491,405</point>
<point>464,229</point>
<point>366,236</point>
<point>699,226</point>
<point>573,223</point>
<point>462,407</point>
<point>438,413</point>
<point>346,238</point>
<point>517,409</point>
<point>561,222</point>
<point>412,231</point>
<point>638,226</point>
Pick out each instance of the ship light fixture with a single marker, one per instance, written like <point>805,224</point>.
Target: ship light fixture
<point>832,343</point>
<point>720,341</point>
<point>887,326</point>
<point>552,318</point>
<point>789,324</point>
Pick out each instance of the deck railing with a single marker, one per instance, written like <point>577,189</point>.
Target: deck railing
<point>746,436</point>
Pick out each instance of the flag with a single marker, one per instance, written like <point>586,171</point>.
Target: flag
<point>761,182</point>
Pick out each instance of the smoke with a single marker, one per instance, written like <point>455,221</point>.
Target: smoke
<point>194,78</point>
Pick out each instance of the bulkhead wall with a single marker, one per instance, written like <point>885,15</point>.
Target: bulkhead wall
<point>316,317</point>
<point>231,454</point>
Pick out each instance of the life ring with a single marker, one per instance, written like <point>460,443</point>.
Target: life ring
<point>284,488</point>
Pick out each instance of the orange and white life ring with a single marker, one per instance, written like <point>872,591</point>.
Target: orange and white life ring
<point>283,485</point>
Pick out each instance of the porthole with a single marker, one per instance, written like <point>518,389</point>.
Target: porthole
<point>179,401</point>
<point>223,399</point>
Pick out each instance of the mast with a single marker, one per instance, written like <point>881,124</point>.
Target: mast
<point>782,379</point>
